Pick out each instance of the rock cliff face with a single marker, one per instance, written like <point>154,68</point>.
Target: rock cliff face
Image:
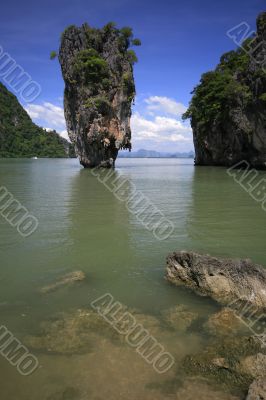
<point>228,108</point>
<point>97,68</point>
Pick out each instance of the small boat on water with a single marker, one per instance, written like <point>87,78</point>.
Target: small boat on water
<point>34,158</point>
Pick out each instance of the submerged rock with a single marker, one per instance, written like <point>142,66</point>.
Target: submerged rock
<point>200,389</point>
<point>257,390</point>
<point>254,365</point>
<point>67,279</point>
<point>220,362</point>
<point>97,68</point>
<point>224,322</point>
<point>81,331</point>
<point>225,280</point>
<point>227,110</point>
<point>70,393</point>
<point>179,317</point>
<point>72,333</point>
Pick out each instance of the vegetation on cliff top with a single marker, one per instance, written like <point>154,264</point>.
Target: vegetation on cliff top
<point>219,90</point>
<point>95,38</point>
<point>20,137</point>
<point>91,68</point>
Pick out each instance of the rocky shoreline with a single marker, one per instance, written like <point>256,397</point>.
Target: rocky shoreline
<point>224,356</point>
<point>235,354</point>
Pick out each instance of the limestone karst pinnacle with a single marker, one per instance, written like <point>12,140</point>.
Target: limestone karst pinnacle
<point>97,67</point>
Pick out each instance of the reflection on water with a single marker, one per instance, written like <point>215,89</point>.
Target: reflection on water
<point>84,227</point>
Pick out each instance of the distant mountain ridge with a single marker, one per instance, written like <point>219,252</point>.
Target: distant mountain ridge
<point>142,153</point>
<point>20,137</point>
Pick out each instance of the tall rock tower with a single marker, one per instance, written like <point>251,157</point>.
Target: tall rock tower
<point>97,67</point>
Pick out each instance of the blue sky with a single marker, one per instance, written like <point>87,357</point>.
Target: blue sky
<point>180,41</point>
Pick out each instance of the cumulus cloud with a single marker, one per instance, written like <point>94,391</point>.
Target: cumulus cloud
<point>47,112</point>
<point>159,129</point>
<point>64,134</point>
<point>164,105</point>
<point>49,115</point>
<point>157,125</point>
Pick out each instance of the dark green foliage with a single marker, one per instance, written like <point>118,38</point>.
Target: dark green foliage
<point>91,65</point>
<point>219,90</point>
<point>99,103</point>
<point>127,39</point>
<point>68,28</point>
<point>95,36</point>
<point>109,27</point>
<point>103,105</point>
<point>129,85</point>
<point>263,97</point>
<point>262,21</point>
<point>106,83</point>
<point>20,137</point>
<point>132,57</point>
<point>136,42</point>
<point>234,61</point>
<point>53,55</point>
<point>127,32</point>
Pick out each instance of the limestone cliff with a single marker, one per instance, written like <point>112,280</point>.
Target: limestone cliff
<point>228,107</point>
<point>97,68</point>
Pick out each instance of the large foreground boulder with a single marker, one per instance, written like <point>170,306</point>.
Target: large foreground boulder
<point>225,280</point>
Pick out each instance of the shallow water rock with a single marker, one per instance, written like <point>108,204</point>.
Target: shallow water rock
<point>201,390</point>
<point>72,333</point>
<point>69,393</point>
<point>257,390</point>
<point>219,362</point>
<point>68,279</point>
<point>254,365</point>
<point>179,317</point>
<point>239,283</point>
<point>81,331</point>
<point>224,322</point>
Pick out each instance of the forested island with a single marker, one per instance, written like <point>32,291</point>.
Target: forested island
<point>20,137</point>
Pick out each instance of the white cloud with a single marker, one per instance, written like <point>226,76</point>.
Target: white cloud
<point>47,112</point>
<point>49,115</point>
<point>64,134</point>
<point>153,128</point>
<point>164,105</point>
<point>159,129</point>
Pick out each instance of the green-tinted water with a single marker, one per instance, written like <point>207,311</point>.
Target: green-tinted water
<point>83,226</point>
